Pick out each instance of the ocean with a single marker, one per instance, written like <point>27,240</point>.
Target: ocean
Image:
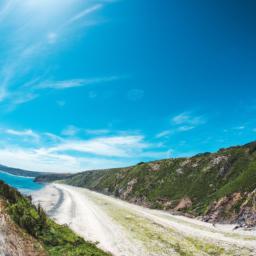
<point>23,184</point>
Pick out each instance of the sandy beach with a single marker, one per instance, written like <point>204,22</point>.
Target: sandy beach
<point>125,229</point>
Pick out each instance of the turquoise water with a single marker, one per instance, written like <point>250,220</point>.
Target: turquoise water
<point>23,184</point>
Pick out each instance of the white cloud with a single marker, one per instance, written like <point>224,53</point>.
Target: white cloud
<point>28,44</point>
<point>17,65</point>
<point>183,122</point>
<point>32,89</point>
<point>19,98</point>
<point>53,137</point>
<point>60,85</point>
<point>59,154</point>
<point>46,151</point>
<point>23,133</point>
<point>188,119</point>
<point>185,128</point>
<point>84,13</point>
<point>167,133</point>
<point>40,161</point>
<point>116,146</point>
<point>164,134</point>
<point>180,119</point>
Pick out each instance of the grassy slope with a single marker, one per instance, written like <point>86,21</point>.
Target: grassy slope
<point>58,240</point>
<point>204,179</point>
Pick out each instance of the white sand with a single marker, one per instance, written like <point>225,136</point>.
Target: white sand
<point>85,218</point>
<point>104,219</point>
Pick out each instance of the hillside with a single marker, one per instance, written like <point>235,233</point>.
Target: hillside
<point>13,240</point>
<point>25,230</point>
<point>33,174</point>
<point>219,187</point>
<point>20,172</point>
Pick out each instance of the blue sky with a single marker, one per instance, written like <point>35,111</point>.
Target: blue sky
<point>108,83</point>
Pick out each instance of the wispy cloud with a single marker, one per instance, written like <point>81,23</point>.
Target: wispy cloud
<point>23,133</point>
<point>185,128</point>
<point>187,121</point>
<point>164,134</point>
<point>6,8</point>
<point>72,153</point>
<point>72,130</point>
<point>27,43</point>
<point>183,122</point>
<point>21,98</point>
<point>60,85</point>
<point>6,74</point>
<point>84,13</point>
<point>187,118</point>
<point>117,146</point>
<point>37,160</point>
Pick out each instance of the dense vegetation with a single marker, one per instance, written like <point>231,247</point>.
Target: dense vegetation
<point>58,240</point>
<point>219,186</point>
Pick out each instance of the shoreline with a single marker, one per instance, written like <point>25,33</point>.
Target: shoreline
<point>17,175</point>
<point>25,185</point>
